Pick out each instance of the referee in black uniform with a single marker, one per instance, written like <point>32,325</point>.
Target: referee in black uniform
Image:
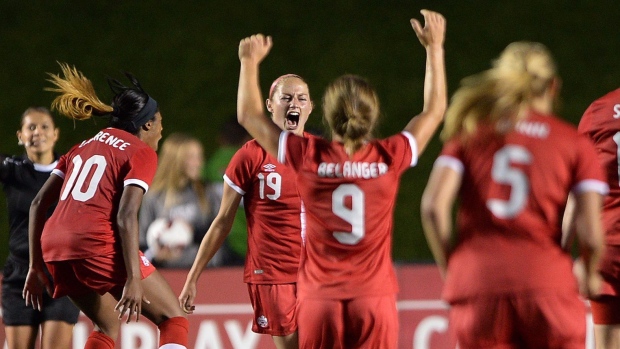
<point>22,177</point>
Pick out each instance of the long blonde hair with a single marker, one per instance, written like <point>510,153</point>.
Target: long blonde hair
<point>523,71</point>
<point>351,109</point>
<point>170,177</point>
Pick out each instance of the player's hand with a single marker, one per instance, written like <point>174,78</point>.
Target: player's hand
<point>131,300</point>
<point>434,30</point>
<point>255,48</point>
<point>187,297</point>
<point>590,284</point>
<point>36,281</point>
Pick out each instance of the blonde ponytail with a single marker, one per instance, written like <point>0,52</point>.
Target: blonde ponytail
<point>351,109</point>
<point>77,99</point>
<point>523,71</point>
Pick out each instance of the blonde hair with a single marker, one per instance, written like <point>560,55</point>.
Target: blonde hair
<point>351,109</point>
<point>77,99</point>
<point>524,70</point>
<point>170,177</point>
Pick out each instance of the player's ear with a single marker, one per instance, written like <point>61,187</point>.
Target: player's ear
<point>268,104</point>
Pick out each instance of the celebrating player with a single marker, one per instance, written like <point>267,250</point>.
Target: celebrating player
<point>274,215</point>
<point>512,164</point>
<point>346,284</point>
<point>90,244</point>
<point>600,123</point>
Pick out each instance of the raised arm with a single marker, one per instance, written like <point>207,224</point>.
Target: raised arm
<point>212,241</point>
<point>250,113</point>
<point>431,36</point>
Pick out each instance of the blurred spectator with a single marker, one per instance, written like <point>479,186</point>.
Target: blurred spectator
<point>178,208</point>
<point>231,137</point>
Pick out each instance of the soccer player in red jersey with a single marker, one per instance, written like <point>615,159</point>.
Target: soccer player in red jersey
<point>512,163</point>
<point>346,286</point>
<point>90,243</point>
<point>601,123</point>
<point>274,217</point>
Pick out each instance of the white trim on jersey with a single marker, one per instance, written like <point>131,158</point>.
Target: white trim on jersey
<point>414,148</point>
<point>451,162</point>
<point>45,168</point>
<point>59,173</point>
<point>282,146</point>
<point>591,185</point>
<point>233,185</point>
<point>137,182</point>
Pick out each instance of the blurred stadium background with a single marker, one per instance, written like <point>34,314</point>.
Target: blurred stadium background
<point>185,54</point>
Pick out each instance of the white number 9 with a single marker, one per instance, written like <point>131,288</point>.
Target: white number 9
<point>353,216</point>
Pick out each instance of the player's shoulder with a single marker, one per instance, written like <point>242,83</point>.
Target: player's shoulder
<point>612,97</point>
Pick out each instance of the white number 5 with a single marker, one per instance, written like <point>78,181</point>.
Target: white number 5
<point>353,216</point>
<point>504,174</point>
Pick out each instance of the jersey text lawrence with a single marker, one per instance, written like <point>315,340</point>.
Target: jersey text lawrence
<point>105,137</point>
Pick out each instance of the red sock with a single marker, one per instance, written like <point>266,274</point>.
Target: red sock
<point>173,331</point>
<point>99,340</point>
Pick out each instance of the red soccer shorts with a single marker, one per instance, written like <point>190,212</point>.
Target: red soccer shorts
<point>363,322</point>
<point>101,274</point>
<point>524,320</point>
<point>274,308</point>
<point>606,309</point>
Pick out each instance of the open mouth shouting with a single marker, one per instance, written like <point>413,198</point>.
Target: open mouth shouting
<point>292,120</point>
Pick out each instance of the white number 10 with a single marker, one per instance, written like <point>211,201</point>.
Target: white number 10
<point>74,186</point>
<point>353,216</point>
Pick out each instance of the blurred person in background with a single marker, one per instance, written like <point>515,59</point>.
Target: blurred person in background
<point>179,207</point>
<point>230,138</point>
<point>22,177</point>
<point>274,220</point>
<point>511,164</point>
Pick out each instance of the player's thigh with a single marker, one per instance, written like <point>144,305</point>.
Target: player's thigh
<point>320,323</point>
<point>483,322</point>
<point>371,322</point>
<point>163,302</point>
<point>56,335</point>
<point>552,320</point>
<point>20,337</point>
<point>100,310</point>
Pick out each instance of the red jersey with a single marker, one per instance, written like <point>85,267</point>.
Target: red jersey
<point>512,199</point>
<point>95,173</point>
<point>273,212</point>
<point>601,124</point>
<point>349,203</point>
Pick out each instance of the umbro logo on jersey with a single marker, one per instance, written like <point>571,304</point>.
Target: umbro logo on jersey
<point>269,167</point>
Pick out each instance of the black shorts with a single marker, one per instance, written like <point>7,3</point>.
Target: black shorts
<point>14,309</point>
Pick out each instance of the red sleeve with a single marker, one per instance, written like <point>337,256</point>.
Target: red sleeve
<point>142,167</point>
<point>588,171</point>
<point>238,174</point>
<point>401,146</point>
